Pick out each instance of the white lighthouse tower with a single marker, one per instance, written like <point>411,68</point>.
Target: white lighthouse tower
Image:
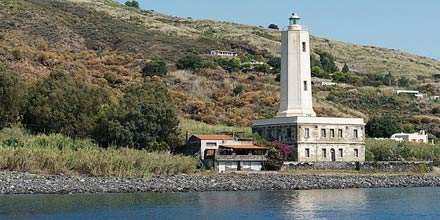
<point>317,139</point>
<point>296,87</point>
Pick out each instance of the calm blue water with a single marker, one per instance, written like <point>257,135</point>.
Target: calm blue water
<point>407,203</point>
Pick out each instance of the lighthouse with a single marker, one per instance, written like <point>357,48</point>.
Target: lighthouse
<point>311,138</point>
<point>296,86</point>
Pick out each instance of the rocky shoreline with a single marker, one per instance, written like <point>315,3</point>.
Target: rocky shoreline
<point>24,183</point>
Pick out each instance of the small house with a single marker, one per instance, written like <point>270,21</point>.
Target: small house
<point>205,147</point>
<point>223,53</point>
<point>240,158</point>
<point>226,153</point>
<point>419,137</point>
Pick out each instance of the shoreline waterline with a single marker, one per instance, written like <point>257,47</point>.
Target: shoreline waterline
<point>25,183</point>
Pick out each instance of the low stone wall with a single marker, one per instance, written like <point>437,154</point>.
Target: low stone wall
<point>369,166</point>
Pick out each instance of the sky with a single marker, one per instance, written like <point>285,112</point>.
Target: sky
<point>407,25</point>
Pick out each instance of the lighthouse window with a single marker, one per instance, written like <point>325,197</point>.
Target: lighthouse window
<point>304,47</point>
<point>305,86</point>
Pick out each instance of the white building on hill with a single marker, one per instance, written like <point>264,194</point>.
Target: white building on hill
<point>419,137</point>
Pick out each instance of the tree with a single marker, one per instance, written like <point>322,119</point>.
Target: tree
<point>381,127</point>
<point>144,118</point>
<point>133,3</point>
<point>60,104</point>
<point>345,69</point>
<point>273,26</point>
<point>11,91</point>
<point>275,63</point>
<point>191,62</point>
<point>318,72</point>
<point>230,64</point>
<point>156,67</point>
<point>264,68</point>
<point>328,62</point>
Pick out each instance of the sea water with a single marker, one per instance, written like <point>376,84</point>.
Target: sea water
<point>392,203</point>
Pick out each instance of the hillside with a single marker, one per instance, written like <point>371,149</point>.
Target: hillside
<point>107,44</point>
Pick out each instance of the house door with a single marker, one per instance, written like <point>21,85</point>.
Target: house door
<point>333,154</point>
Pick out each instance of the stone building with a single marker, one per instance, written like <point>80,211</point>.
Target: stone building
<point>225,153</point>
<point>312,138</point>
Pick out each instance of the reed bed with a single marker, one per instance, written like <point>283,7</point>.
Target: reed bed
<point>55,154</point>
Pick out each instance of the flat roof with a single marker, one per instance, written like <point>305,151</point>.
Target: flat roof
<point>244,147</point>
<point>309,120</point>
<point>213,137</point>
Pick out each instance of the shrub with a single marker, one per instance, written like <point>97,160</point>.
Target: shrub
<point>146,114</point>
<point>264,68</point>
<point>191,62</point>
<point>132,3</point>
<point>11,96</point>
<point>230,64</point>
<point>60,104</point>
<point>275,63</point>
<point>273,26</point>
<point>238,89</point>
<point>156,67</point>
<point>381,126</point>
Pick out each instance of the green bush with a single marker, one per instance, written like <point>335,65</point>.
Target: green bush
<point>132,3</point>
<point>381,126</point>
<point>146,114</point>
<point>388,150</point>
<point>61,104</point>
<point>230,64</point>
<point>156,67</point>
<point>11,98</point>
<point>238,89</point>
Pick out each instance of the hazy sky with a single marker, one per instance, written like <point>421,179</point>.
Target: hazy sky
<point>412,26</point>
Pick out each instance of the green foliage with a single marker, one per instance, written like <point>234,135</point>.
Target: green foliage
<point>229,64</point>
<point>156,67</point>
<point>345,69</point>
<point>275,63</point>
<point>381,126</point>
<point>387,150</point>
<point>264,68</point>
<point>145,116</point>
<point>327,62</point>
<point>132,3</point>
<point>60,104</point>
<point>55,154</point>
<point>379,79</point>
<point>278,77</point>
<point>195,62</point>
<point>11,92</point>
<point>273,26</point>
<point>238,89</point>
<point>318,72</point>
<point>403,81</point>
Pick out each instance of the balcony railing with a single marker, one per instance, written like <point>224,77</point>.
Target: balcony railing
<point>242,157</point>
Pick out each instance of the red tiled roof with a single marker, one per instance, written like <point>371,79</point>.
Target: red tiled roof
<point>244,147</point>
<point>213,137</point>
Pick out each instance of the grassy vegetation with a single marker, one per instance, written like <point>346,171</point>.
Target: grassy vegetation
<point>54,154</point>
<point>195,127</point>
<point>387,150</point>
